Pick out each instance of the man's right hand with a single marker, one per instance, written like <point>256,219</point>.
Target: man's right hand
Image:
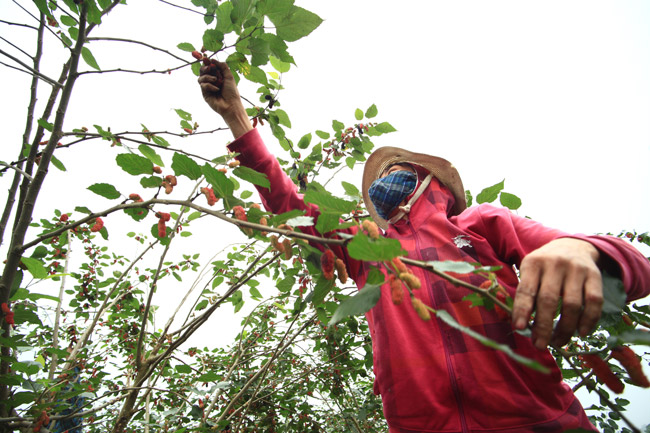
<point>225,100</point>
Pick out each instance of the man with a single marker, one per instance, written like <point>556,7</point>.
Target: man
<point>431,377</point>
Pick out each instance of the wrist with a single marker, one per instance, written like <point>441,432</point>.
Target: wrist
<point>238,123</point>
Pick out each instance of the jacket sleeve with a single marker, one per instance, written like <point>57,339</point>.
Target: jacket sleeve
<point>512,237</point>
<point>282,196</point>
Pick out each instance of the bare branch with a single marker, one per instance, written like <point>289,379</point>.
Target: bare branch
<point>31,70</point>
<point>17,169</point>
<point>138,43</point>
<point>19,24</point>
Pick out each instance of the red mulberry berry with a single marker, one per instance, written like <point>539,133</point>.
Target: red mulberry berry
<point>603,373</point>
<point>327,264</point>
<point>396,290</point>
<point>632,365</point>
<point>399,265</point>
<point>421,309</point>
<point>371,228</point>
<point>411,280</point>
<point>341,271</point>
<point>209,195</point>
<point>162,228</point>
<point>99,223</point>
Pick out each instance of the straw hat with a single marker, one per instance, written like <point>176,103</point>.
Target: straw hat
<point>441,169</point>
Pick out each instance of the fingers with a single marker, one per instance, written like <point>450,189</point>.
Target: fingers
<point>563,269</point>
<point>209,83</point>
<point>526,294</point>
<point>548,296</point>
<point>571,307</point>
<point>593,303</point>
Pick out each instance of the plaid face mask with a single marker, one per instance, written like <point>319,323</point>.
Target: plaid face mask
<point>388,192</point>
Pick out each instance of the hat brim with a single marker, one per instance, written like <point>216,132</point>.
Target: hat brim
<point>441,169</point>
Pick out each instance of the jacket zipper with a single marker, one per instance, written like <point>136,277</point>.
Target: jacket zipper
<point>445,339</point>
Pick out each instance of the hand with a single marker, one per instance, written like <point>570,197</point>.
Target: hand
<point>562,269</point>
<point>220,92</point>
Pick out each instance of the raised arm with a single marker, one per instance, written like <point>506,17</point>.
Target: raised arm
<point>220,92</point>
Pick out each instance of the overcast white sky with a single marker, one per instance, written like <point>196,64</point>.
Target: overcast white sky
<point>552,96</point>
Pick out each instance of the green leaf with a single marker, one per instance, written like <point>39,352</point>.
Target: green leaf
<point>351,191</point>
<point>160,141</point>
<point>323,287</point>
<point>255,74</point>
<point>286,284</point>
<point>134,164</point>
<point>283,118</point>
<point>57,163</point>
<point>301,221</point>
<point>371,111</point>
<point>183,165</point>
<point>358,114</point>
<point>613,293</point>
<point>186,46</point>
<point>182,368</point>
<point>279,65</point>
<point>252,176</point>
<point>39,252</point>
<point>260,51</point>
<point>337,126</point>
<point>221,185</point>
<point>304,141</point>
<point>183,114</point>
<point>636,336</point>
<point>358,304</point>
<point>94,14</point>
<point>322,134</point>
<point>83,209</point>
<point>453,266</point>
<point>151,155</point>
<point>45,124</point>
<point>510,201</point>
<point>468,197</point>
<point>105,190</point>
<point>531,363</point>
<point>89,58</point>
<point>151,182</point>
<point>322,198</point>
<point>384,128</point>
<point>42,6</point>
<point>374,250</point>
<point>284,217</point>
<point>35,267</point>
<point>255,294</point>
<point>296,24</point>
<point>137,213</point>
<point>489,194</point>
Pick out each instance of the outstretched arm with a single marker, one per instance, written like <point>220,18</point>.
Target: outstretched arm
<point>559,267</point>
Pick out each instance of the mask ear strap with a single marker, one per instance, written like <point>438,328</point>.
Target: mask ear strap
<point>404,210</point>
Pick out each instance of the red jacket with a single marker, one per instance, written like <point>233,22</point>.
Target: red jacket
<point>433,378</point>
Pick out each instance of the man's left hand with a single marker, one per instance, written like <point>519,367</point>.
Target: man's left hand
<point>563,269</point>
